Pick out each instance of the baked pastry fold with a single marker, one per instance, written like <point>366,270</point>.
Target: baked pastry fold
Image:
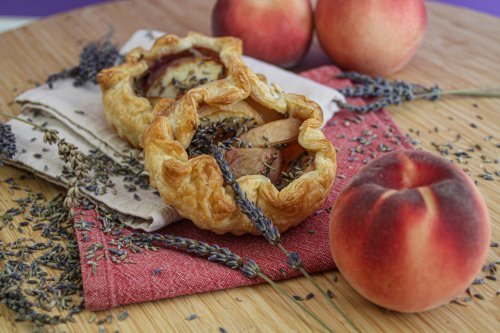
<point>163,74</point>
<point>194,184</point>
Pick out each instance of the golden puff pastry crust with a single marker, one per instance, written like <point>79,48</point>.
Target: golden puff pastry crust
<point>162,74</point>
<point>195,187</point>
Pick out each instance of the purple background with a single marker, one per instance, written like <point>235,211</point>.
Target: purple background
<point>48,7</point>
<point>40,7</point>
<point>487,6</point>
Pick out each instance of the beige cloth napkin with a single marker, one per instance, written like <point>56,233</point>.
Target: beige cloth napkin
<point>141,209</point>
<point>76,112</point>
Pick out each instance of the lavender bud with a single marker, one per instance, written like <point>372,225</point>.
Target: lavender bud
<point>293,260</point>
<point>250,269</point>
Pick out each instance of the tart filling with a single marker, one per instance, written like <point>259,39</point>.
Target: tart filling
<point>253,147</point>
<point>172,75</point>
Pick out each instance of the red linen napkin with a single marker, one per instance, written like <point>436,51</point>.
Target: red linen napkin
<point>169,273</point>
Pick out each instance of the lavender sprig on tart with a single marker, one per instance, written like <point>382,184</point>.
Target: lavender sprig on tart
<point>271,142</point>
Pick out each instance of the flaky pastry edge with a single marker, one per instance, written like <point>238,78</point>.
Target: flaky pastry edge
<point>129,114</point>
<point>195,187</point>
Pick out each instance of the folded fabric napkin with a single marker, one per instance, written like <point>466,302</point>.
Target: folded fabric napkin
<point>77,113</point>
<point>169,273</point>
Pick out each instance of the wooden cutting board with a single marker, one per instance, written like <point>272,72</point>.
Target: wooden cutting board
<point>461,49</point>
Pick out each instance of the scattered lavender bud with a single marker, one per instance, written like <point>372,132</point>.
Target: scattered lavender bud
<point>309,296</point>
<point>192,316</point>
<point>123,315</point>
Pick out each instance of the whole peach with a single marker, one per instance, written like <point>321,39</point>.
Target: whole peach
<point>375,37</point>
<point>276,31</point>
<point>410,231</point>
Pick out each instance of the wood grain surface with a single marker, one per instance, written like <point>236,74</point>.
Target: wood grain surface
<point>461,49</point>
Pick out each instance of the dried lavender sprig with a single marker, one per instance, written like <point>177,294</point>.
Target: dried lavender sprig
<point>215,253</point>
<point>94,57</point>
<point>249,208</point>
<point>385,92</point>
<point>396,92</point>
<point>69,153</point>
<point>223,256</point>
<point>264,224</point>
<point>231,127</point>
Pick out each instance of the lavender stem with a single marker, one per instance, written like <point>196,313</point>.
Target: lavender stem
<point>224,256</point>
<point>265,225</point>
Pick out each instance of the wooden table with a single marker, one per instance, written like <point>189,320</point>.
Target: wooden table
<point>461,49</point>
